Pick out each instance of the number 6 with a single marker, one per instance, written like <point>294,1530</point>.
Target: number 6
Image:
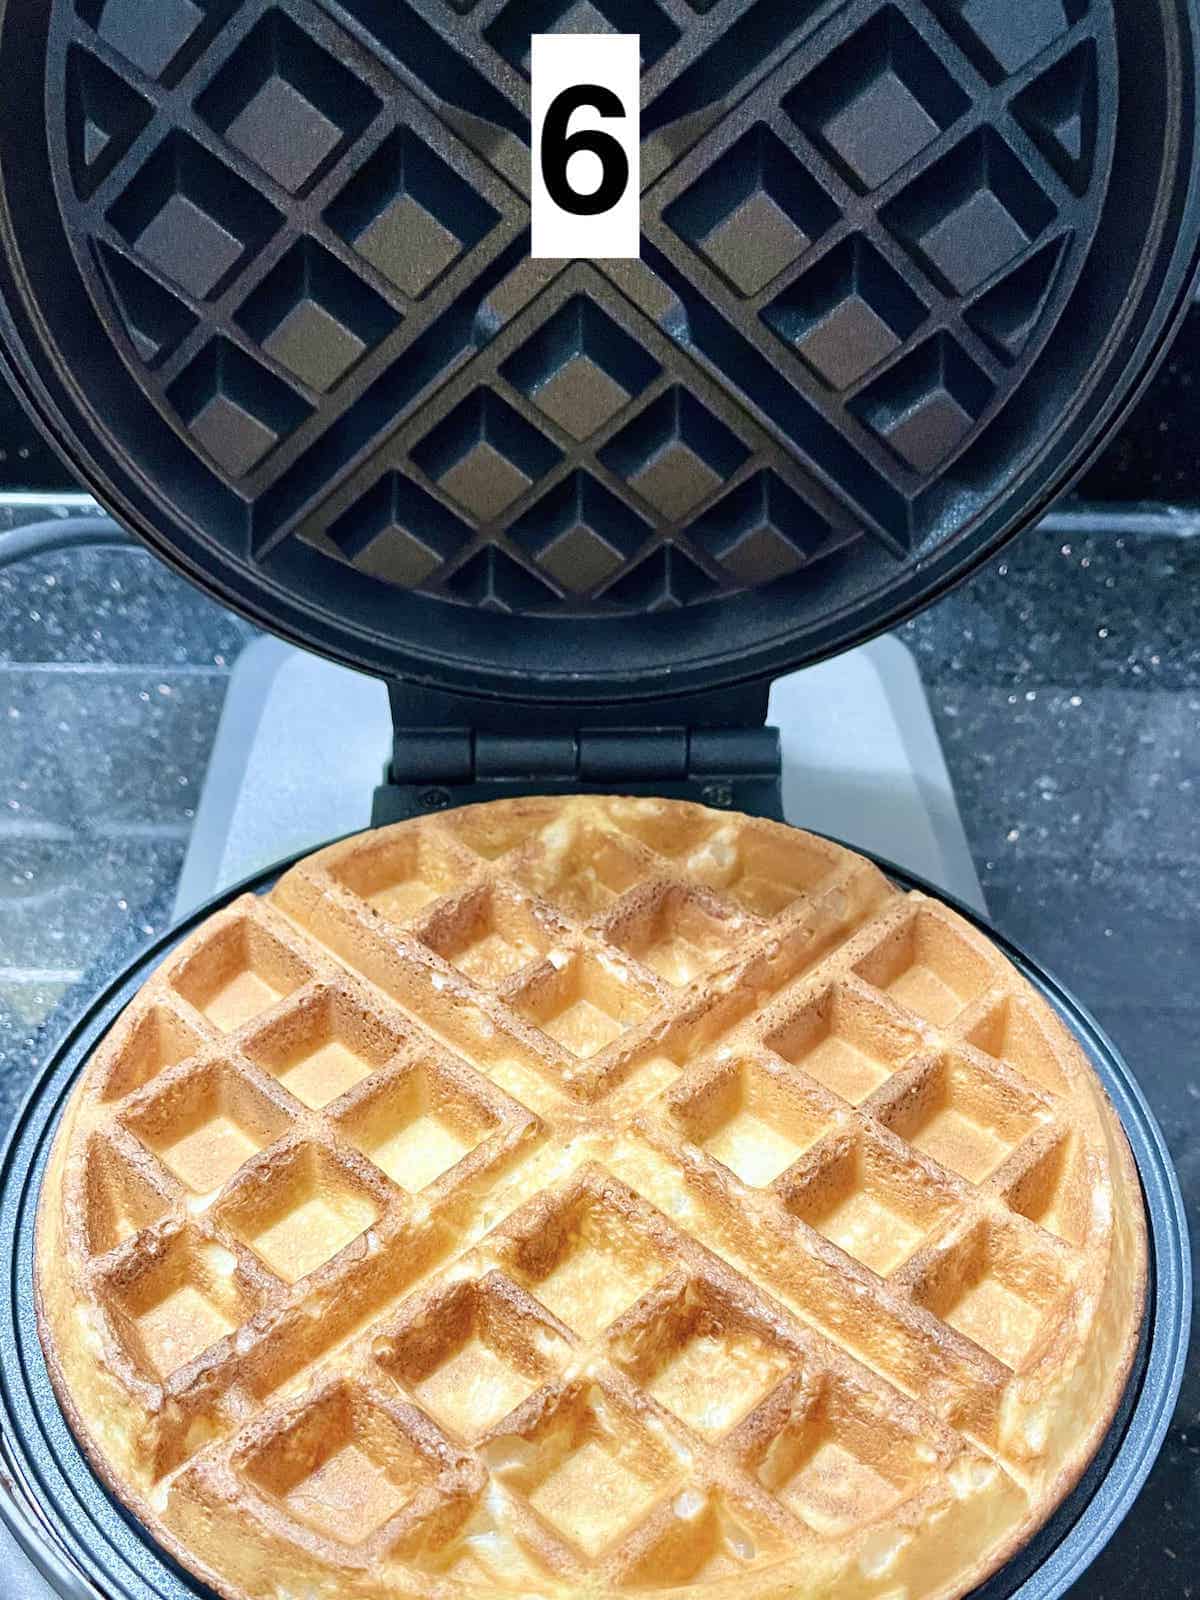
<point>559,145</point>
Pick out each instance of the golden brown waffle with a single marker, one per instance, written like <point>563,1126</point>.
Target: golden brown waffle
<point>582,1196</point>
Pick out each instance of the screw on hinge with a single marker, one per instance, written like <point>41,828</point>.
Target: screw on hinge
<point>434,799</point>
<point>718,794</point>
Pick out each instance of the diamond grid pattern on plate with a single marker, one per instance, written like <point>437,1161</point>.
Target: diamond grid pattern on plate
<point>566,469</point>
<point>868,229</point>
<point>364,1088</point>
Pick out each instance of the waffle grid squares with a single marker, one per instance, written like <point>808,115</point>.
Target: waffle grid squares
<point>489,1329</point>
<point>830,1451</point>
<point>203,1122</point>
<point>531,1326</point>
<point>901,124</point>
<point>347,1464</point>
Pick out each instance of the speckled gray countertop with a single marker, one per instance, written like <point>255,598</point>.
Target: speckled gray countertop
<point>1065,681</point>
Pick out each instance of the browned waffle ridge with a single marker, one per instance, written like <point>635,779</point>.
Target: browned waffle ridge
<point>588,1195</point>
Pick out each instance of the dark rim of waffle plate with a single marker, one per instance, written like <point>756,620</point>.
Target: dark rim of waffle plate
<point>265,281</point>
<point>85,1543</point>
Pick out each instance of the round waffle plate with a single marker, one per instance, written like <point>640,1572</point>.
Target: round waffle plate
<point>265,280</point>
<point>86,1544</point>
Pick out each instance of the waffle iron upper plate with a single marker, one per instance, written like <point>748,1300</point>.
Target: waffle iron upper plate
<point>265,280</point>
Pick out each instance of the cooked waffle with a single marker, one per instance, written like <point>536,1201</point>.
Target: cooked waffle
<point>589,1195</point>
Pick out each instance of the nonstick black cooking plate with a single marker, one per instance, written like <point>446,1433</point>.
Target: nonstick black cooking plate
<point>265,281</point>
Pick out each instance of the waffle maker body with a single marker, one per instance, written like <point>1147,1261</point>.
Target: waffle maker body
<point>266,284</point>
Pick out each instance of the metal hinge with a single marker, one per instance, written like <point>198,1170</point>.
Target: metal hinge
<point>432,769</point>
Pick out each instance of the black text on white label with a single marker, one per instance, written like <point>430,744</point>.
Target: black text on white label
<point>587,142</point>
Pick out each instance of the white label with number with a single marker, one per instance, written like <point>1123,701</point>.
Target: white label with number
<point>587,144</point>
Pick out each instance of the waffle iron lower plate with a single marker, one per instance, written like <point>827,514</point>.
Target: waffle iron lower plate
<point>87,1546</point>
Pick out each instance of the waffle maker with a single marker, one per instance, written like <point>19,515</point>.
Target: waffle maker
<point>266,284</point>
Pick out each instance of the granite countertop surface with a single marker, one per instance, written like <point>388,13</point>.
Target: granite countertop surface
<point>1065,682</point>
